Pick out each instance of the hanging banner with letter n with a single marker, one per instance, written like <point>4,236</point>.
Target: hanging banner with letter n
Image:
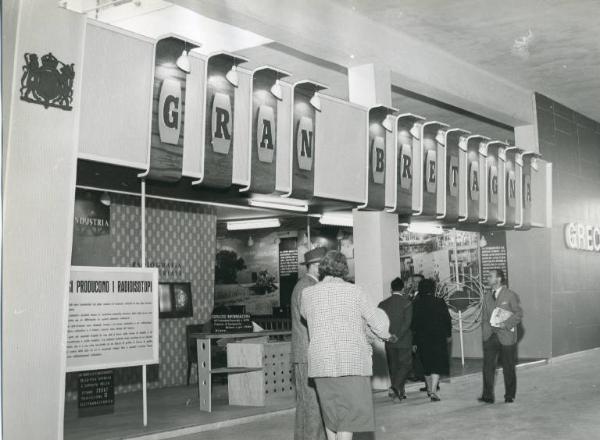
<point>306,103</point>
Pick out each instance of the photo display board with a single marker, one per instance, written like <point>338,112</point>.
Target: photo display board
<point>113,318</point>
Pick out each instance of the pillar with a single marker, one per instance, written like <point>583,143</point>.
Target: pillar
<point>38,194</point>
<point>377,263</point>
<point>370,84</point>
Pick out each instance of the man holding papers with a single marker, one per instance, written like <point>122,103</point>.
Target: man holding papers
<point>501,313</point>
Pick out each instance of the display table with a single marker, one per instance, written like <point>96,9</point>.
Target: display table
<point>205,371</point>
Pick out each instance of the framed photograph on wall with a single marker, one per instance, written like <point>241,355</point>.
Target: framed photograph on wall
<point>175,300</point>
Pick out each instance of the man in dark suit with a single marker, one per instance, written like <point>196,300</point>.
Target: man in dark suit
<point>309,422</point>
<point>398,308</point>
<point>501,313</point>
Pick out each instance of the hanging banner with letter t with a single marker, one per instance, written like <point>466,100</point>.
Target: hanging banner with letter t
<point>168,101</point>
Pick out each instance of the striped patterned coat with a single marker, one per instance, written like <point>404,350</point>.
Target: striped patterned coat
<point>339,315</point>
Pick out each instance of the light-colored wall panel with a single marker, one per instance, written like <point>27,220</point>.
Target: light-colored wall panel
<point>40,191</point>
<point>193,136</point>
<point>116,96</point>
<point>242,130</point>
<point>283,176</point>
<point>341,153</point>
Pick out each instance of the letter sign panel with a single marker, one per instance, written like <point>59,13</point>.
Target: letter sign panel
<point>378,160</point>
<point>453,176</point>
<point>165,163</point>
<point>474,180</point>
<point>511,189</point>
<point>405,167</point>
<point>221,123</point>
<point>527,191</point>
<point>305,143</point>
<point>493,184</point>
<point>169,110</point>
<point>265,133</point>
<point>430,171</point>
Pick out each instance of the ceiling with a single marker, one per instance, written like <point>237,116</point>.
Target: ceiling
<point>549,46</point>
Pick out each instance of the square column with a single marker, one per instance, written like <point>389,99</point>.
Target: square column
<point>377,263</point>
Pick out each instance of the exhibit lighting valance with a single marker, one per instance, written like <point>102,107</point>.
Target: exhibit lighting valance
<point>337,219</point>
<point>262,223</point>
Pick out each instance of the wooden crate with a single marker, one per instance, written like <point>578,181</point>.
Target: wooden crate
<point>257,388</point>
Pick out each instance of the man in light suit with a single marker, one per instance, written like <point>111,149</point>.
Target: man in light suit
<point>500,338</point>
<point>309,422</point>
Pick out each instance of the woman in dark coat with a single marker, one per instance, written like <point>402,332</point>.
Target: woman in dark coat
<point>432,329</point>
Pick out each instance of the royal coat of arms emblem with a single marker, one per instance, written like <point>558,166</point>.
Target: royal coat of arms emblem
<point>49,84</point>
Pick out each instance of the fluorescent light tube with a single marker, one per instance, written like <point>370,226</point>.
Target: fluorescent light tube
<point>337,219</point>
<point>253,224</point>
<point>280,206</point>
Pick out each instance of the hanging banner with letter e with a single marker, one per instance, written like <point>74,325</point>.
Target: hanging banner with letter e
<point>168,102</point>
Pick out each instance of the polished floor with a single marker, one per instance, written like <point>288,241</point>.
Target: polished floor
<point>174,411</point>
<point>559,401</point>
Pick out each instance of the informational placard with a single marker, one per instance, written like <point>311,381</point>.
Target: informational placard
<point>95,392</point>
<point>113,318</point>
<point>493,254</point>
<point>231,323</point>
<point>288,269</point>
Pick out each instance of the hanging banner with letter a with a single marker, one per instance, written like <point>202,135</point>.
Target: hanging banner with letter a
<point>264,132</point>
<point>168,102</point>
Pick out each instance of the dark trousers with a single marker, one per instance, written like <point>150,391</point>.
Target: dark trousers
<point>399,365</point>
<point>492,348</point>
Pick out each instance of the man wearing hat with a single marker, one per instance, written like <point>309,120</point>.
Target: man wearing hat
<point>309,423</point>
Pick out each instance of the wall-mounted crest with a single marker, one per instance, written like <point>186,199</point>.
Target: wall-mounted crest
<point>49,84</point>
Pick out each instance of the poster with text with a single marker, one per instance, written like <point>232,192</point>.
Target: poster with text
<point>113,318</point>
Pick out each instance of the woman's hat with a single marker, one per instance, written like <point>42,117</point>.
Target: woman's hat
<point>315,255</point>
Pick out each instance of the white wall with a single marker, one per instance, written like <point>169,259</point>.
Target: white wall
<point>38,222</point>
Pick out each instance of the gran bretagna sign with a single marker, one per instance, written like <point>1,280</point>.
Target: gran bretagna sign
<point>113,318</point>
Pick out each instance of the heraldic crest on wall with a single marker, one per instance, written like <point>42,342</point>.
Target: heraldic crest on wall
<point>49,84</point>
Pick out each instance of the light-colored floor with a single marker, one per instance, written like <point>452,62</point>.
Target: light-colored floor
<point>558,401</point>
<point>174,411</point>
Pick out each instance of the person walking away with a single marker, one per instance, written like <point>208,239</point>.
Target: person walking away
<point>501,314</point>
<point>432,327</point>
<point>398,308</point>
<point>309,422</point>
<point>339,356</point>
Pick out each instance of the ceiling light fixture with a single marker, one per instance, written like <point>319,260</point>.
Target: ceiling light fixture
<point>232,75</point>
<point>425,228</point>
<point>337,219</point>
<point>315,101</point>
<point>105,198</point>
<point>387,123</point>
<point>276,89</point>
<point>262,223</point>
<point>183,62</point>
<point>280,206</point>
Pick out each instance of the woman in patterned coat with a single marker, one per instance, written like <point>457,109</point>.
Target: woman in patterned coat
<point>339,354</point>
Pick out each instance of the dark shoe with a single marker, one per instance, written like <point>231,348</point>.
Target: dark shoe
<point>485,400</point>
<point>434,397</point>
<point>508,400</point>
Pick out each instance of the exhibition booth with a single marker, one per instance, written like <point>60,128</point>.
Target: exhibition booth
<point>203,178</point>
